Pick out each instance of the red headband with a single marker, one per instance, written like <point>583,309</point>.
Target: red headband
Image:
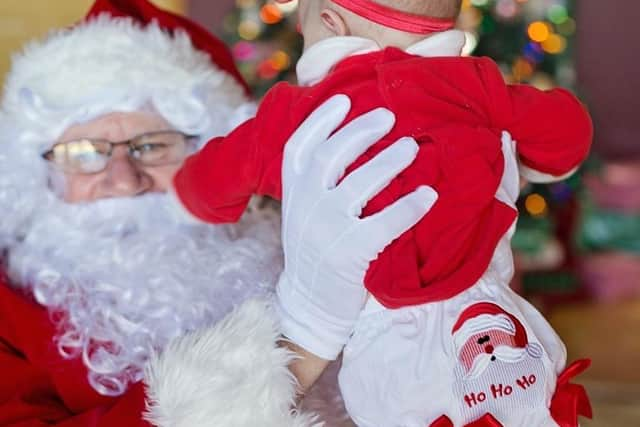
<point>396,19</point>
<point>392,18</point>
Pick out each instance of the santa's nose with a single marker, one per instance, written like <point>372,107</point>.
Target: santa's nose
<point>489,349</point>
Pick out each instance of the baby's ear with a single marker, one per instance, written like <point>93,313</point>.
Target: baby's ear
<point>334,22</point>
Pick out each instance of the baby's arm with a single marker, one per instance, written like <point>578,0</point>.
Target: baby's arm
<point>306,366</point>
<point>216,183</point>
<point>552,129</point>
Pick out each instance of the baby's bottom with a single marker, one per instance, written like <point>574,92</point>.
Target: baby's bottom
<point>486,351</point>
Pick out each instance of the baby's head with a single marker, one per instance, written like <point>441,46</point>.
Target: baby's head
<point>321,19</point>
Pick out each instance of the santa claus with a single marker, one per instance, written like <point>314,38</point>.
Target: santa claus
<point>111,301</point>
<point>497,363</point>
<point>486,333</point>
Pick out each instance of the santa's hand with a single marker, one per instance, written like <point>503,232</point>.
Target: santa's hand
<point>327,246</point>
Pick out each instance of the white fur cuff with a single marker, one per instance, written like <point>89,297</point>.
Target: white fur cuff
<point>537,177</point>
<point>233,375</point>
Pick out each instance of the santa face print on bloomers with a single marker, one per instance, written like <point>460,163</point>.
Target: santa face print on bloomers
<point>498,371</point>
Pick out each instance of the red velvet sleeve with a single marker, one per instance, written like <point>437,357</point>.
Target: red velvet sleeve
<point>216,184</point>
<point>552,128</point>
<point>39,389</point>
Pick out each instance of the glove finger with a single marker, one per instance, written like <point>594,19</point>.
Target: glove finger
<point>350,142</point>
<point>384,227</point>
<point>315,130</point>
<point>364,183</point>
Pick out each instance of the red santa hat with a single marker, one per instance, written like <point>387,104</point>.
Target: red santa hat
<point>486,316</point>
<point>145,12</point>
<point>126,55</point>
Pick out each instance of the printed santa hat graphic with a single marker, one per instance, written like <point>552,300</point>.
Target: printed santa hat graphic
<point>485,333</point>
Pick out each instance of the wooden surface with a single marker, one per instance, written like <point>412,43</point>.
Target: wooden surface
<point>610,336</point>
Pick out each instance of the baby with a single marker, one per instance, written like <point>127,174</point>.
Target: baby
<point>442,341</point>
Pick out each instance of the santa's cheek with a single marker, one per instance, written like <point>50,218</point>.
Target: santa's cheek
<point>469,354</point>
<point>80,188</point>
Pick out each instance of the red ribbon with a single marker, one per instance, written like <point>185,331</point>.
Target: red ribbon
<point>571,400</point>
<point>487,421</point>
<point>396,19</point>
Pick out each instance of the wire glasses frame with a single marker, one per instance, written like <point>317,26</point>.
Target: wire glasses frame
<point>90,156</point>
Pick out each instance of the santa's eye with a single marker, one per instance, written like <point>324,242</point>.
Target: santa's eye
<point>484,339</point>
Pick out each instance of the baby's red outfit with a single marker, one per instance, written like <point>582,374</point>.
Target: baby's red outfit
<point>456,108</point>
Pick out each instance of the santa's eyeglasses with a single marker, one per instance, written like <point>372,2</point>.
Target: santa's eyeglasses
<point>88,156</point>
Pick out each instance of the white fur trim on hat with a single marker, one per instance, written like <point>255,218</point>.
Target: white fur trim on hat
<point>483,323</point>
<point>113,64</point>
<point>233,375</point>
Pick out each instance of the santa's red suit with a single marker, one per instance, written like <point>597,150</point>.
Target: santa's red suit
<point>39,387</point>
<point>454,107</point>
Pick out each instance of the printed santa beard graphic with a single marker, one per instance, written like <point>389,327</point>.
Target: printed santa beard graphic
<point>499,370</point>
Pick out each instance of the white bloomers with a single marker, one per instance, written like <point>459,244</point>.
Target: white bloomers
<point>485,351</point>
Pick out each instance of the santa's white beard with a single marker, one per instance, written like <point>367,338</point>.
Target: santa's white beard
<point>501,353</point>
<point>123,277</point>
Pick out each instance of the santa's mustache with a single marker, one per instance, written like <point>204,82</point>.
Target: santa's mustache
<point>502,353</point>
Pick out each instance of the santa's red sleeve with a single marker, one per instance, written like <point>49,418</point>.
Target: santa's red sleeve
<point>186,385</point>
<point>552,128</point>
<point>216,184</point>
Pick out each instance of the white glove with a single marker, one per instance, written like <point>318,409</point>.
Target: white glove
<point>327,246</point>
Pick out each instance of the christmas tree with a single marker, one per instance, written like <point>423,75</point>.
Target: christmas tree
<point>264,41</point>
<point>530,39</point>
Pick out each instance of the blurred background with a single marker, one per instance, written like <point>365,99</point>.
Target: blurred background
<point>578,242</point>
